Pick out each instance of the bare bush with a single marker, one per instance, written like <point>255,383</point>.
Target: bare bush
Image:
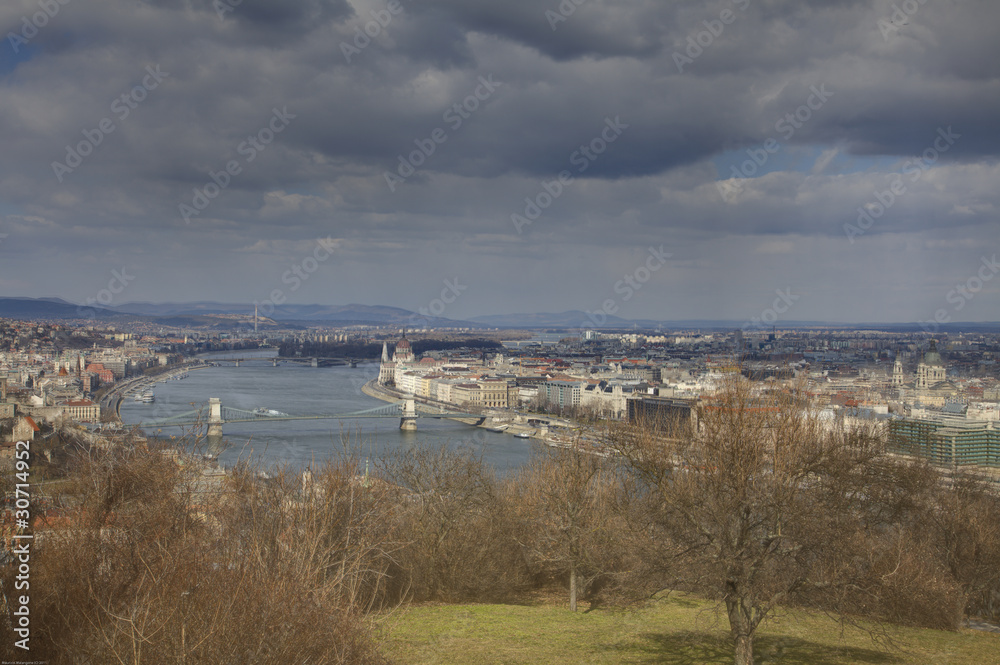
<point>460,536</point>
<point>963,526</point>
<point>140,573</point>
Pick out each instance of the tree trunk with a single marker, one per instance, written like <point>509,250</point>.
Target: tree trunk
<point>744,650</point>
<point>572,589</point>
<point>741,628</point>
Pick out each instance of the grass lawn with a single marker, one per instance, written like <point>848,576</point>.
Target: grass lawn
<point>675,631</point>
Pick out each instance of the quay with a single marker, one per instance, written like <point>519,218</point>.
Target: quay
<point>540,434</point>
<point>112,402</point>
<point>386,394</point>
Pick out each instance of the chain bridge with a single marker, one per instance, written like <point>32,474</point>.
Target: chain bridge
<point>215,415</point>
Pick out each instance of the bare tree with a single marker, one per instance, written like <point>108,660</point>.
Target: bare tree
<point>454,518</point>
<point>565,496</point>
<point>757,500</point>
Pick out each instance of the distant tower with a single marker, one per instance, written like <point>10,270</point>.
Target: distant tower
<point>387,369</point>
<point>897,372</point>
<point>255,319</point>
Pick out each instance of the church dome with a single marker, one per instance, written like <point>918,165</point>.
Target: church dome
<point>932,357</point>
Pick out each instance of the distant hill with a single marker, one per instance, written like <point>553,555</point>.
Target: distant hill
<point>51,308</point>
<point>207,314</point>
<point>575,320</point>
<point>300,314</point>
<point>346,314</point>
<point>571,319</point>
<point>223,315</point>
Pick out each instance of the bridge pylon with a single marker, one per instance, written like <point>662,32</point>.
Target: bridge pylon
<point>214,416</point>
<point>408,423</point>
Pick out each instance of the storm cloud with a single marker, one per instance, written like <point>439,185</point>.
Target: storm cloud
<point>535,150</point>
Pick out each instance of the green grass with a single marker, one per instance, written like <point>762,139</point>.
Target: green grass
<point>676,631</point>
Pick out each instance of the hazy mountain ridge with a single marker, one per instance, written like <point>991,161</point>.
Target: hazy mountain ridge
<point>232,315</point>
<point>224,315</point>
<point>568,319</point>
<point>51,308</point>
<point>352,313</point>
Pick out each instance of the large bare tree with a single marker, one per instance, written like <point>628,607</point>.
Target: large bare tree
<point>759,498</point>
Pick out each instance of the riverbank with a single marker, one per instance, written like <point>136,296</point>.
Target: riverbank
<point>386,394</point>
<point>542,435</point>
<point>112,402</point>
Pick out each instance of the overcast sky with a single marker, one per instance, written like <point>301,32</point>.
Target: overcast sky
<point>743,138</point>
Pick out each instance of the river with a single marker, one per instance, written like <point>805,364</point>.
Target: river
<point>298,389</point>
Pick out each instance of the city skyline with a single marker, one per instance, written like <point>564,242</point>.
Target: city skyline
<point>716,160</point>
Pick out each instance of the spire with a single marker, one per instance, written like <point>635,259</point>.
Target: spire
<point>385,353</point>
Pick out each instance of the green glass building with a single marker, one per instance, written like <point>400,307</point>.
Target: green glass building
<point>947,442</point>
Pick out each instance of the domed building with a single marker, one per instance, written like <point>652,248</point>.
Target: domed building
<point>931,386</point>
<point>404,353</point>
<point>402,356</point>
<point>931,370</point>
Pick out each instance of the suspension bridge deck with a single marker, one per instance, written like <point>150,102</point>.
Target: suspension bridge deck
<point>206,415</point>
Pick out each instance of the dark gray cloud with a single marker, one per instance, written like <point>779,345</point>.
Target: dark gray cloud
<point>695,89</point>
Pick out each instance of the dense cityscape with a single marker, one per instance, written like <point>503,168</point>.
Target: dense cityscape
<point>936,397</point>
